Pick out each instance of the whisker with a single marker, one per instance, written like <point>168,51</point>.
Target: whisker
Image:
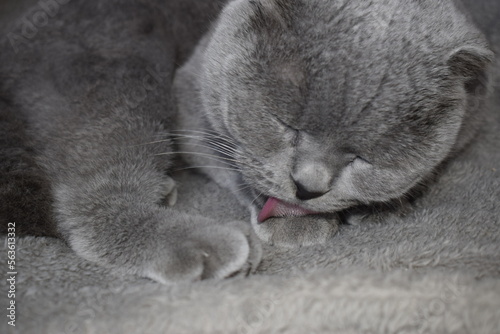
<point>225,154</point>
<point>151,143</point>
<point>199,167</point>
<point>212,145</point>
<point>242,188</point>
<point>180,132</point>
<point>224,146</point>
<point>223,158</point>
<point>207,132</point>
<point>232,155</point>
<point>242,185</point>
<point>257,197</point>
<point>209,156</point>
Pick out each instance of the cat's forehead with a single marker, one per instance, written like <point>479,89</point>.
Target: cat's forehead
<point>338,70</point>
<point>361,42</point>
<point>345,32</point>
<point>385,26</point>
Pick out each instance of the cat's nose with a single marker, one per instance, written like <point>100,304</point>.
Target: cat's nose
<point>312,180</point>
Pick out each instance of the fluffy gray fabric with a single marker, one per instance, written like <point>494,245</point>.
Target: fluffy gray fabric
<point>435,271</point>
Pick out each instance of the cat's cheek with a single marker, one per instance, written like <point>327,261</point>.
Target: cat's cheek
<point>263,140</point>
<point>368,185</point>
<point>348,186</point>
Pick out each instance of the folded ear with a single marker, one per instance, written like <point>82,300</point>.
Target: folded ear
<point>468,61</point>
<point>471,64</point>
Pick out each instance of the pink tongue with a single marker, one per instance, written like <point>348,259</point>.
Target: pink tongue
<point>276,208</point>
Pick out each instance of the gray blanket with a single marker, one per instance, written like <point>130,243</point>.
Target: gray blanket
<point>435,271</point>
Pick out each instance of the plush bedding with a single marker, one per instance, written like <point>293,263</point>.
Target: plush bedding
<point>436,270</point>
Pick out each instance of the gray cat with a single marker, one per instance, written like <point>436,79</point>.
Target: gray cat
<point>310,111</point>
<point>332,106</point>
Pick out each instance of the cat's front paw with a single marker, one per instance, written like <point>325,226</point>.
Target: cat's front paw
<point>207,251</point>
<point>293,232</point>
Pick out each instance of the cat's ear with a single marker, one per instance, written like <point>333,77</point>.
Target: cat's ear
<point>272,13</point>
<point>468,61</point>
<point>471,63</point>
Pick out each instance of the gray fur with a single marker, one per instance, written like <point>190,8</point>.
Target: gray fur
<point>341,98</point>
<point>96,94</point>
<point>358,102</point>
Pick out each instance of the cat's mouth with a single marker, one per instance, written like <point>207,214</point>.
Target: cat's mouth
<point>278,208</point>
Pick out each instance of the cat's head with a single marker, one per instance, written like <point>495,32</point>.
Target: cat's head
<point>338,103</point>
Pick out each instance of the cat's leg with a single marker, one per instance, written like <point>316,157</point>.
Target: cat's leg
<point>107,163</point>
<point>97,98</point>
<point>107,205</point>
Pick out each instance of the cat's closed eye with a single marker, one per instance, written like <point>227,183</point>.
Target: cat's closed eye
<point>359,160</point>
<point>360,163</point>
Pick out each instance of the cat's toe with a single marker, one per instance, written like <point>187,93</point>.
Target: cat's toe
<point>255,254</point>
<point>211,251</point>
<point>227,249</point>
<point>181,265</point>
<point>293,232</point>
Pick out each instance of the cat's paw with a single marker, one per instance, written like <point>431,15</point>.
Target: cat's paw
<point>161,243</point>
<point>207,251</point>
<point>293,232</point>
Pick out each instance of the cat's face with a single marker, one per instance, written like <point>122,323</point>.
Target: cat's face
<point>338,103</point>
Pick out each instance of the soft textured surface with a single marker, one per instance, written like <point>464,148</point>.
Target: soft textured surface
<point>435,271</point>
